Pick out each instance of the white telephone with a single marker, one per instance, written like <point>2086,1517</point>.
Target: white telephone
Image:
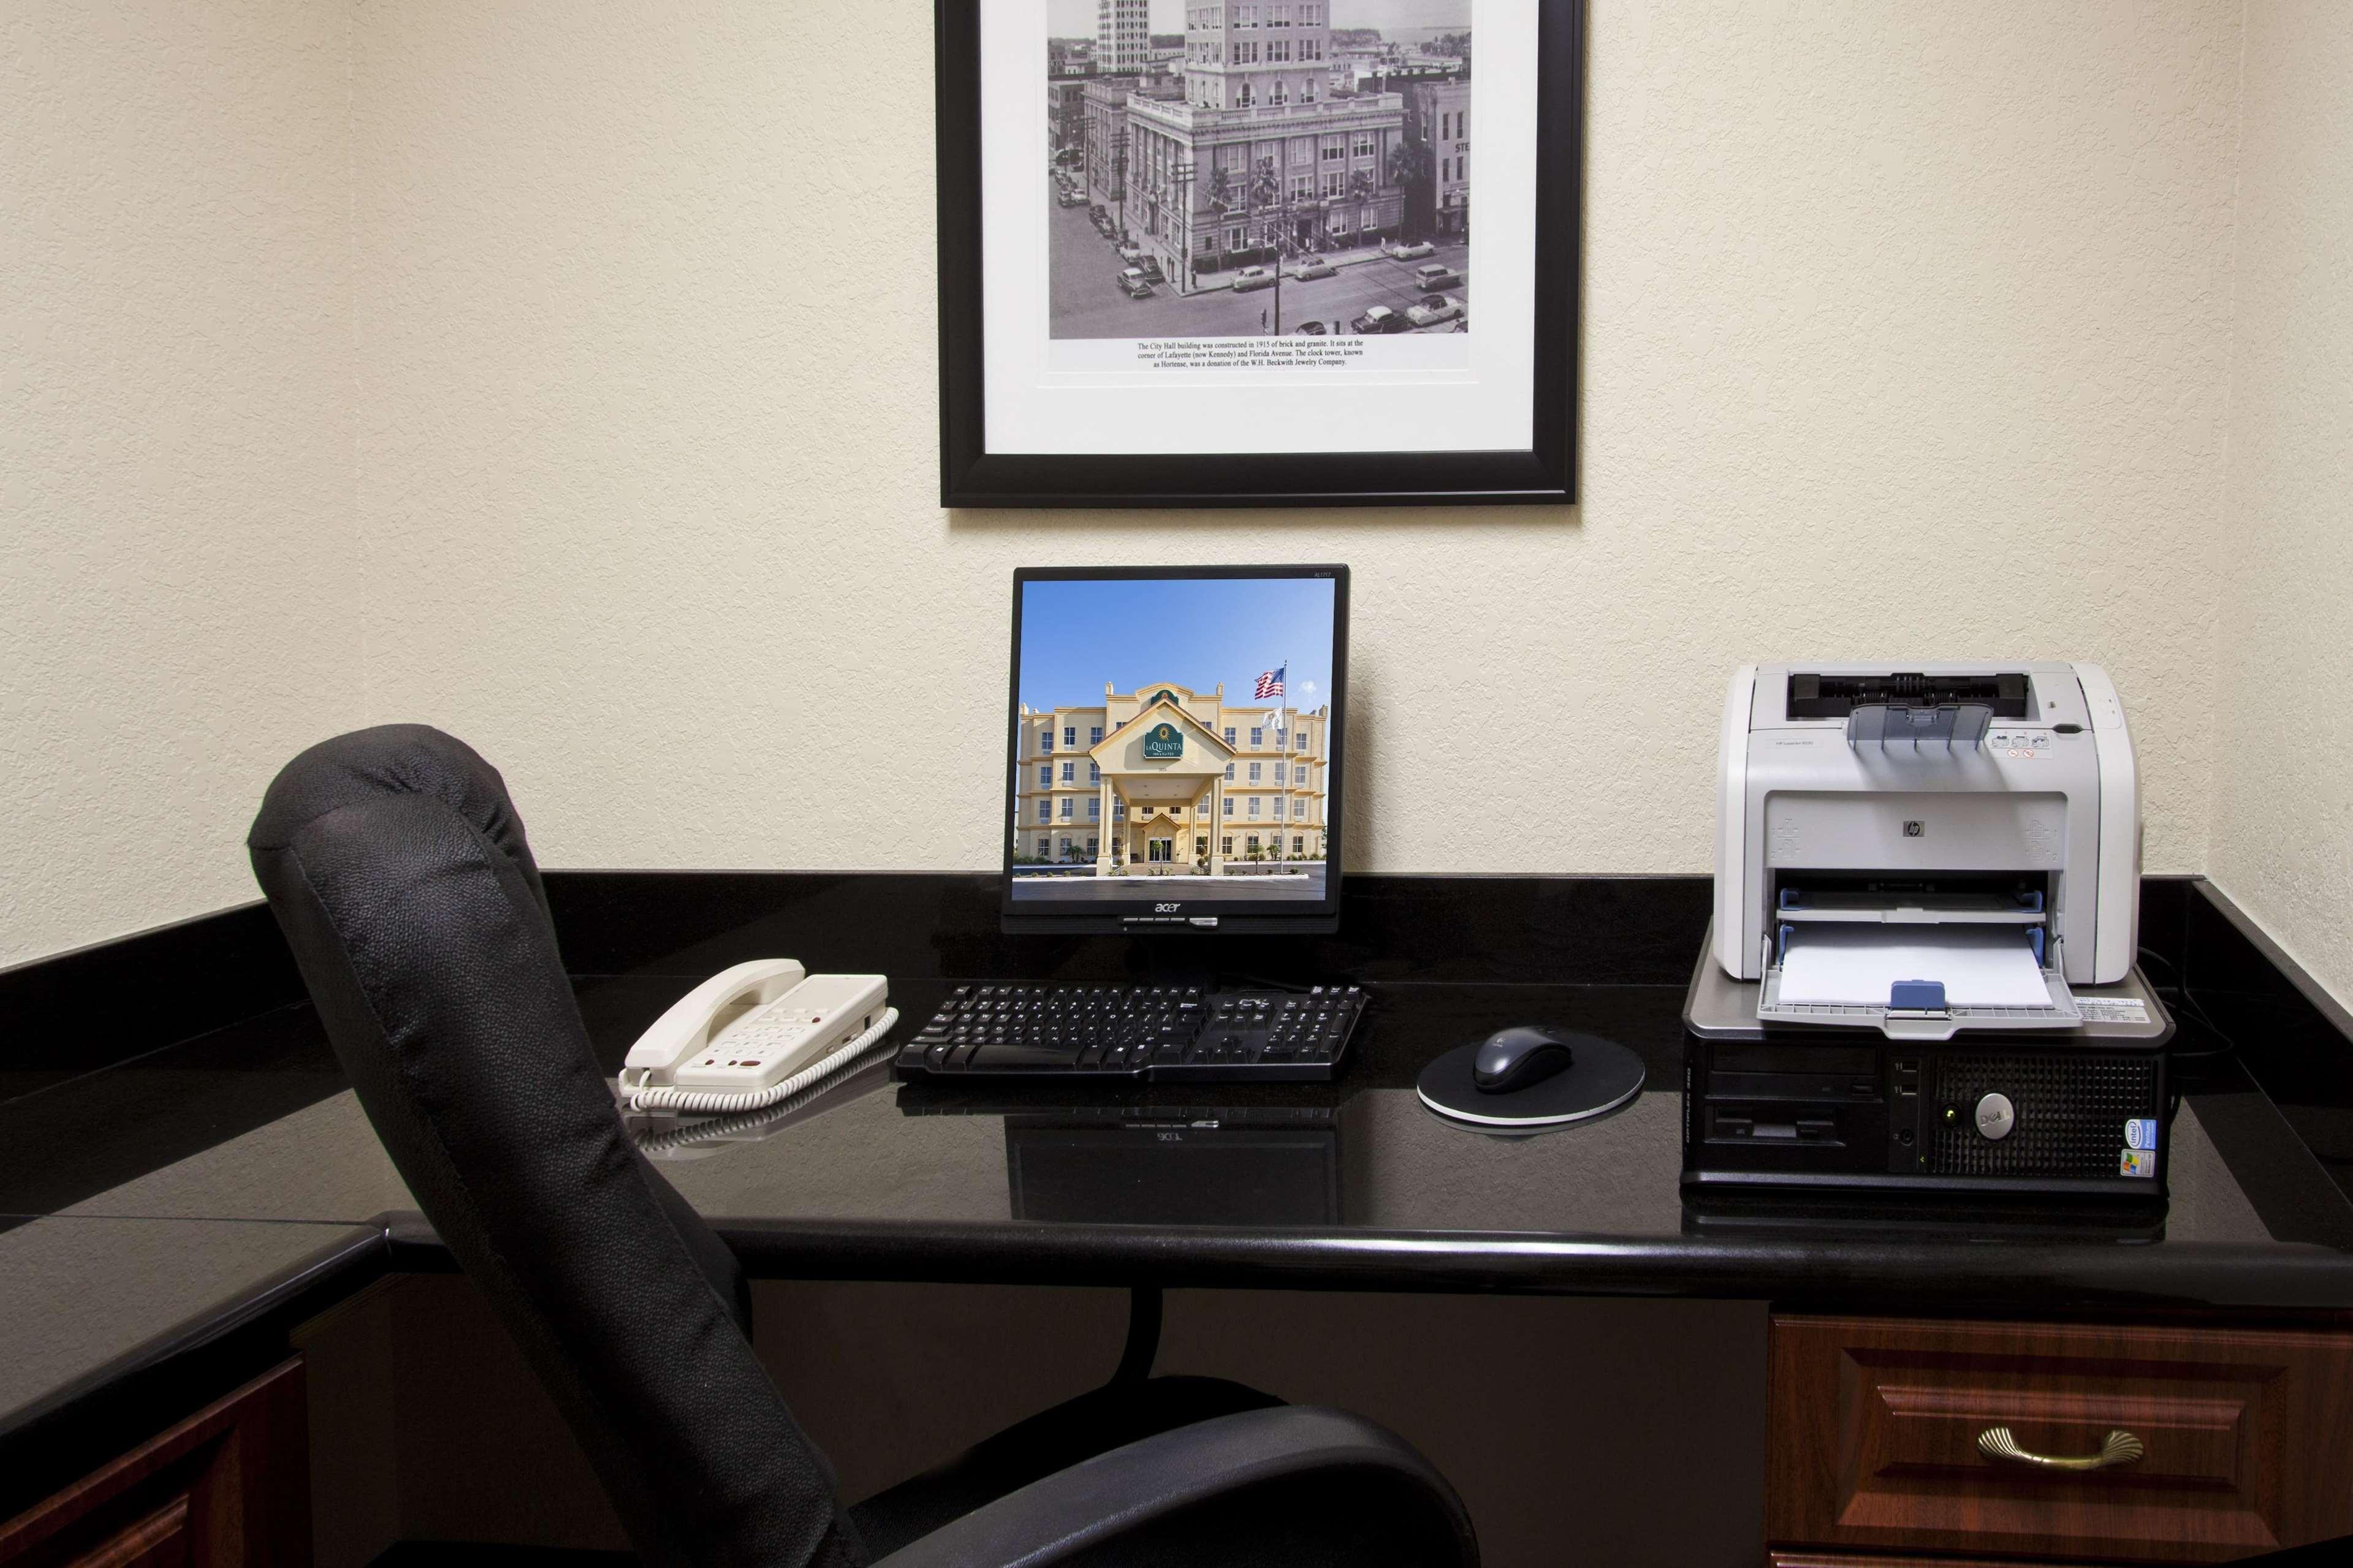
<point>753,1034</point>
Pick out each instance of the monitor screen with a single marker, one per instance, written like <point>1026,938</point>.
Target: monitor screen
<point>1177,747</point>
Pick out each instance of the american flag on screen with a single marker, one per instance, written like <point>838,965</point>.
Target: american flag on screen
<point>1270,684</point>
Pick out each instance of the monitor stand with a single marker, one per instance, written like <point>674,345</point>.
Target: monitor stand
<point>1171,961</point>
<point>1248,963</point>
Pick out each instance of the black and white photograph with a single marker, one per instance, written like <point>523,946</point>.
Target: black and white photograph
<point>1242,229</point>
<point>1258,168</point>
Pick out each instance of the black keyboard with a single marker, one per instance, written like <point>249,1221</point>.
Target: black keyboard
<point>1182,1032</point>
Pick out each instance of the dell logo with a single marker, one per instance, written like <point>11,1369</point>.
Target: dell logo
<point>1165,908</point>
<point>1915,830</point>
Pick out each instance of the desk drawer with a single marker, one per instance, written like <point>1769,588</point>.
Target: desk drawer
<point>1886,1433</point>
<point>227,1488</point>
<point>1801,1557</point>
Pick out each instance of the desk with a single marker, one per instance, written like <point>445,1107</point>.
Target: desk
<point>1352,1185</point>
<point>912,1181</point>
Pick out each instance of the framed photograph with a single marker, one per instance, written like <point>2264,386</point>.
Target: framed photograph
<point>1224,252</point>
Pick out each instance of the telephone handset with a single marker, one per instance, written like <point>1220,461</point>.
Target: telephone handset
<point>753,1034</point>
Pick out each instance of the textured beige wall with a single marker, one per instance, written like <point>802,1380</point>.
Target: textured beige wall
<point>569,374</point>
<point>176,578</point>
<point>1905,335</point>
<point>2282,742</point>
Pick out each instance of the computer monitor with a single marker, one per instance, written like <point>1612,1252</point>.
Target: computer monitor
<point>1178,736</point>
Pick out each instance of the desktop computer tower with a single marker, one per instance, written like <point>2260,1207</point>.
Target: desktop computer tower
<point>1841,1109</point>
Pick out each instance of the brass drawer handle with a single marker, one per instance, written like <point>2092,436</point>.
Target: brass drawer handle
<point>2121,1448</point>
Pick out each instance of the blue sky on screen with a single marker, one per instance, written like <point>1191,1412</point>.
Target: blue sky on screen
<point>1195,632</point>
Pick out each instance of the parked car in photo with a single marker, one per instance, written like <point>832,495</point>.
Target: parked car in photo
<point>1315,267</point>
<point>1414,252</point>
<point>1103,224</point>
<point>1433,310</point>
<point>1129,252</point>
<point>1135,283</point>
<point>1436,277</point>
<point>1378,320</point>
<point>1150,267</point>
<point>1310,329</point>
<point>1070,199</point>
<point>1250,278</point>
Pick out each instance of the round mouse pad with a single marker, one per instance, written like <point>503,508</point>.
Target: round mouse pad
<point>1604,1075</point>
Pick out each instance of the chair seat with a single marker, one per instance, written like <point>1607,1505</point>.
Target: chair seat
<point>1051,1440</point>
<point>476,1554</point>
<point>1029,1451</point>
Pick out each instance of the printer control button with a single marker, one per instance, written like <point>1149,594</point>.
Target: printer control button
<point>1995,1117</point>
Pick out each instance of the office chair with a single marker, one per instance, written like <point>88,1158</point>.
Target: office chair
<point>398,871</point>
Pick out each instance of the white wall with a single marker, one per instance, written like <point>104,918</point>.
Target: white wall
<point>566,377</point>
<point>176,578</point>
<point>1906,334</point>
<point>2283,754</point>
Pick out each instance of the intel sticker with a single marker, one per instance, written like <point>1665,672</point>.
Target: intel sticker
<point>2136,1163</point>
<point>2141,1132</point>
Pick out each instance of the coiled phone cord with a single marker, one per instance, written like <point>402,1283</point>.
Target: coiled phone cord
<point>717,1129</point>
<point>646,1095</point>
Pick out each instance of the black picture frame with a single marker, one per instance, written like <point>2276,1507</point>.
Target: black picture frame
<point>1545,474</point>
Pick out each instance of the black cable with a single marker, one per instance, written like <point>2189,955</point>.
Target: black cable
<point>1143,1347</point>
<point>2190,1007</point>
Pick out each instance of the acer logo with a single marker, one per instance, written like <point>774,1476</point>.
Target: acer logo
<point>1165,908</point>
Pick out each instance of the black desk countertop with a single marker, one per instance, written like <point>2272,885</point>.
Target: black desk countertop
<point>183,1188</point>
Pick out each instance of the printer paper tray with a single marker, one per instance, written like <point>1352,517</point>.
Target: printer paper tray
<point>1901,1025</point>
<point>1970,941</point>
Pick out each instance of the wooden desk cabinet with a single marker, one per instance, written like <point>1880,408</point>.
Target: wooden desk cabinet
<point>2184,1444</point>
<point>228,1486</point>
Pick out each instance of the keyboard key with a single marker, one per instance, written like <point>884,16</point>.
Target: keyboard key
<point>1002,1055</point>
<point>1136,1031</point>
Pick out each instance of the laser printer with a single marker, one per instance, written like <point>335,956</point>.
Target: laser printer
<point>1920,965</point>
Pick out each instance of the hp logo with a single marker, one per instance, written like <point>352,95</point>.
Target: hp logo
<point>1915,830</point>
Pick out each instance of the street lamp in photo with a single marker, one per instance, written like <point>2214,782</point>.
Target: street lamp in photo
<point>1119,173</point>
<point>1180,181</point>
<point>1266,195</point>
<point>1221,199</point>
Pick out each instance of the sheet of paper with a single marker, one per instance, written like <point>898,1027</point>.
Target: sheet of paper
<point>1854,965</point>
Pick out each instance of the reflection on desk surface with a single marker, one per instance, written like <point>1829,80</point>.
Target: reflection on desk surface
<point>1201,1170</point>
<point>873,1153</point>
<point>1922,1218</point>
<point>667,1136</point>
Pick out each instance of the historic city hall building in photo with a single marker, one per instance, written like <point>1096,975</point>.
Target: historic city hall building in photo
<point>1254,144</point>
<point>1164,779</point>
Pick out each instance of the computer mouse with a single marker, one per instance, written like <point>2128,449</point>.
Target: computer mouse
<point>1522,1055</point>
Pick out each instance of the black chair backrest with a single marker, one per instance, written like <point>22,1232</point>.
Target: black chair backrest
<point>398,871</point>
